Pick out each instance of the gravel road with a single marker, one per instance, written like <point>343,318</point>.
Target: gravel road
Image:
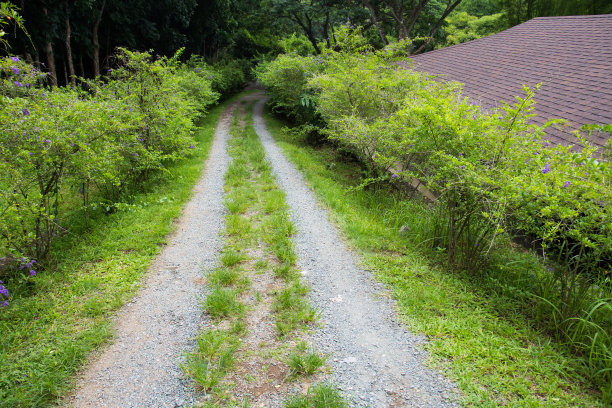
<point>374,359</point>
<point>141,367</point>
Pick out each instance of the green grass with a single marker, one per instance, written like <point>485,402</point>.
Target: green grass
<point>304,362</point>
<point>212,359</point>
<point>57,319</point>
<point>479,331</point>
<point>231,258</point>
<point>222,303</point>
<point>318,396</point>
<point>224,277</point>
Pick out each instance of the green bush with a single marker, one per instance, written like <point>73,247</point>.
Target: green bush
<point>61,146</point>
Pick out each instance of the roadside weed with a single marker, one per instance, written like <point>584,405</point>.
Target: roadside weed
<point>304,362</point>
<point>318,396</point>
<point>223,303</point>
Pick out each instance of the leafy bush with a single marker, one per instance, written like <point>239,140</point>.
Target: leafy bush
<point>285,79</point>
<point>58,146</point>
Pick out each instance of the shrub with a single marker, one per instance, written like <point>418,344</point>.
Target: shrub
<point>60,145</point>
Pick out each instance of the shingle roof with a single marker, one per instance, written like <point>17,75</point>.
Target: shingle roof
<point>571,56</point>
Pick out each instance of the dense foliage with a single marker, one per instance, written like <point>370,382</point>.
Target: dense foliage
<point>59,147</point>
<point>493,173</point>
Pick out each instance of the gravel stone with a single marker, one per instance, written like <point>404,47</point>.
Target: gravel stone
<point>375,360</point>
<point>153,331</point>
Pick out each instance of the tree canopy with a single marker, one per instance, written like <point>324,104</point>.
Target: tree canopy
<point>71,38</point>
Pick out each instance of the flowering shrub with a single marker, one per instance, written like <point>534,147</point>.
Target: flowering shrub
<point>58,143</point>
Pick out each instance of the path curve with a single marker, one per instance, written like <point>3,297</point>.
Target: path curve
<point>153,331</point>
<point>373,357</point>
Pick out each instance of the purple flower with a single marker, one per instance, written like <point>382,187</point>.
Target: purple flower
<point>567,184</point>
<point>30,153</point>
<point>18,84</point>
<point>460,154</point>
<point>47,141</point>
<point>15,59</point>
<point>586,174</point>
<point>5,304</point>
<point>394,175</point>
<point>32,272</point>
<point>25,112</point>
<point>15,70</point>
<point>475,116</point>
<point>463,167</point>
<point>546,168</point>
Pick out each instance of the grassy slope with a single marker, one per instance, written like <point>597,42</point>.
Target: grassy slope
<point>57,319</point>
<point>478,337</point>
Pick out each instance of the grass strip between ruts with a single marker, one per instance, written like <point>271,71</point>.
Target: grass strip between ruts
<point>256,303</point>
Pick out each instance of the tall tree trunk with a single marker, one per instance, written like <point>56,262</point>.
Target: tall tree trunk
<point>326,30</point>
<point>81,66</point>
<point>307,30</point>
<point>376,21</point>
<point>50,57</point>
<point>397,12</point>
<point>415,12</point>
<point>65,73</point>
<point>96,41</point>
<point>51,64</point>
<point>69,48</point>
<point>449,8</point>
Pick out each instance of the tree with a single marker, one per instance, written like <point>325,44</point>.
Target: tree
<point>404,14</point>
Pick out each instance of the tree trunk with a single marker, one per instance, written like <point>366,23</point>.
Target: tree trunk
<point>96,41</point>
<point>50,58</point>
<point>397,12</point>
<point>69,48</point>
<point>449,8</point>
<point>308,31</point>
<point>375,20</point>
<point>326,30</point>
<point>51,64</point>
<point>415,12</point>
<point>65,73</point>
<point>81,66</point>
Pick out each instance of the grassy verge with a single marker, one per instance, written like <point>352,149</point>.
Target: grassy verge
<point>55,321</point>
<point>478,331</point>
<point>257,305</point>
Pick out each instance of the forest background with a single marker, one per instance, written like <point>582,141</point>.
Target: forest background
<point>79,37</point>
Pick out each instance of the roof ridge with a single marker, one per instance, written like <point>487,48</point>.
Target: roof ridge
<point>578,16</point>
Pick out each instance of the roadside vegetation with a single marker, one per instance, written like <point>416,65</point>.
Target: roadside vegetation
<point>495,180</point>
<point>254,344</point>
<point>94,264</point>
<point>480,330</point>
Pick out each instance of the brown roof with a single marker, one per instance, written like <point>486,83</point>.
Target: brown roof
<point>571,56</point>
